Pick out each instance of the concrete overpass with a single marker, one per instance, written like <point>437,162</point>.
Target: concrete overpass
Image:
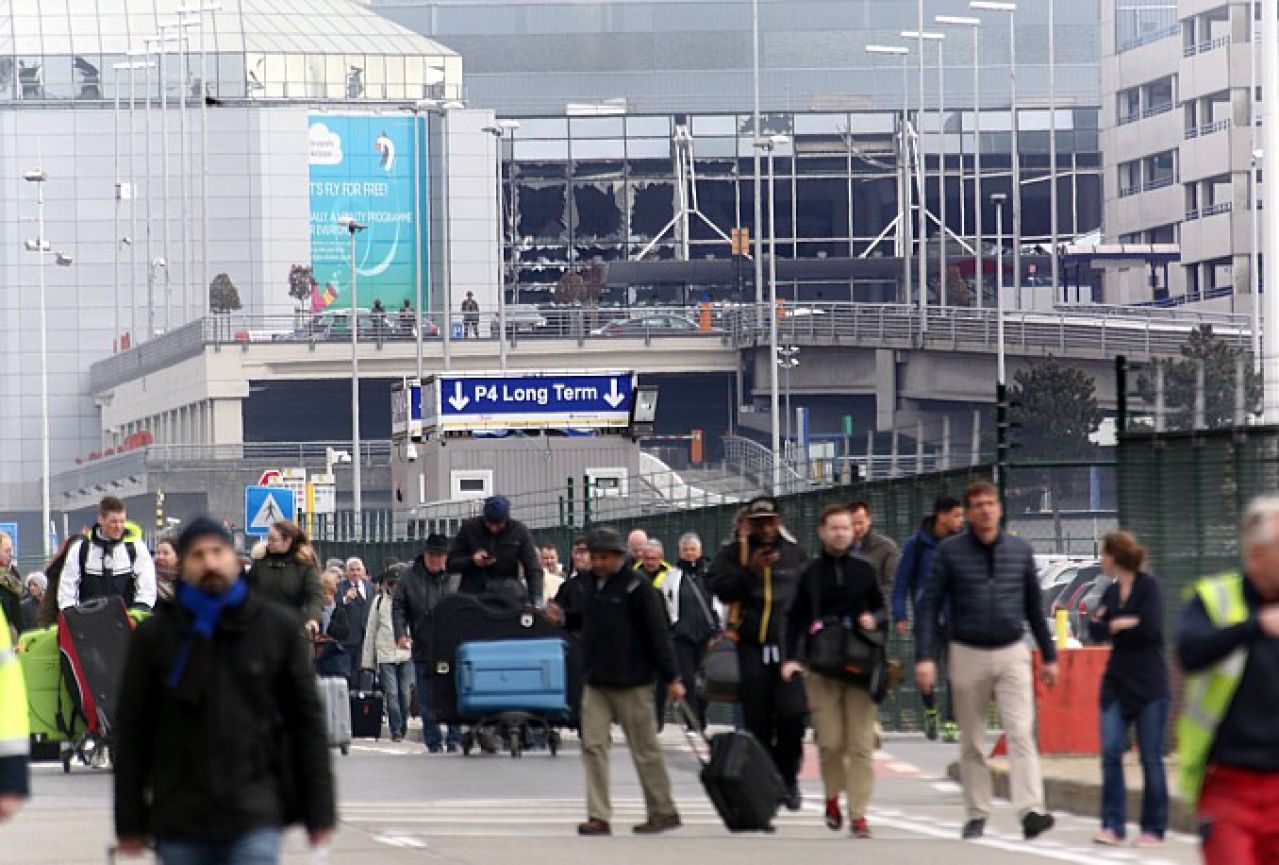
<point>188,387</point>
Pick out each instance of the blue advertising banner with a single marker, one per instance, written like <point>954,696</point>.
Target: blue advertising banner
<point>362,166</point>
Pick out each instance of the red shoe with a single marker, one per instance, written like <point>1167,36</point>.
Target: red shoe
<point>834,819</point>
<point>861,829</point>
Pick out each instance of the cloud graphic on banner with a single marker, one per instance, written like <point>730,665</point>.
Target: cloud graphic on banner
<point>326,145</point>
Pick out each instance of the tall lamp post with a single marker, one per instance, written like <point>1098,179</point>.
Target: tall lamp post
<point>757,134</point>
<point>498,132</point>
<point>997,200</point>
<point>769,145</point>
<point>903,141</point>
<point>975,24</point>
<point>788,359</point>
<point>1270,240</point>
<point>940,39</point>
<point>1011,10</point>
<point>354,228</point>
<point>41,246</point>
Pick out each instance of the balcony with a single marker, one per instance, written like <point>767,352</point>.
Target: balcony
<point>1149,38</point>
<point>1206,47</point>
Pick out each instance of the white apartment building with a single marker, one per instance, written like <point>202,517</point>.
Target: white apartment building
<point>1177,143</point>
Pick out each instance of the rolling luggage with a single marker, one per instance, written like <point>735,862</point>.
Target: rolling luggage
<point>740,779</point>
<point>41,663</point>
<point>336,697</point>
<point>462,619</point>
<point>513,676</point>
<point>366,714</point>
<point>93,639</point>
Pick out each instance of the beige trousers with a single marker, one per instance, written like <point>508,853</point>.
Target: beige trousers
<point>634,711</point>
<point>977,675</point>
<point>844,722</point>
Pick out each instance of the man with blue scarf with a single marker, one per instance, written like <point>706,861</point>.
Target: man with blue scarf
<point>221,738</point>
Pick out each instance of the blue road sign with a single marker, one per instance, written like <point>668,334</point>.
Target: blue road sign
<point>11,529</point>
<point>575,400</point>
<point>266,505</point>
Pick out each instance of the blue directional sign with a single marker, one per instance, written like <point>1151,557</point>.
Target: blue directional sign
<point>544,400</point>
<point>264,506</point>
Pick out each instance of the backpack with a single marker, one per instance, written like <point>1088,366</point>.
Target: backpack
<point>87,542</point>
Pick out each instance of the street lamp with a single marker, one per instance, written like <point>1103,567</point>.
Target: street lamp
<point>997,200</point>
<point>1270,261</point>
<point>940,39</point>
<point>904,197</point>
<point>975,24</point>
<point>498,132</point>
<point>1011,9</point>
<point>757,131</point>
<point>41,246</point>
<point>354,228</point>
<point>769,145</point>
<point>788,359</point>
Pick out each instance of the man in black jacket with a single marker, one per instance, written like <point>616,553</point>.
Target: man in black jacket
<point>220,735</point>
<point>495,553</point>
<point>419,592</point>
<point>626,647</point>
<point>355,594</point>
<point>757,575</point>
<point>988,580</point>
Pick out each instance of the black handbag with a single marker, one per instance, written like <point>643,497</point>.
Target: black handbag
<point>720,678</point>
<point>842,649</point>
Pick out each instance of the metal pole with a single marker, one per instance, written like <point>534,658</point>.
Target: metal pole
<point>164,168</point>
<point>941,169</point>
<point>1016,155</point>
<point>772,326</point>
<point>147,214</point>
<point>1270,147</point>
<point>133,205</point>
<point>757,137</point>
<point>355,390</point>
<point>908,194</point>
<point>921,172</point>
<point>446,251</point>
<point>45,500</point>
<point>184,166</point>
<point>204,161</point>
<point>1254,276</point>
<point>418,137</point>
<point>979,202</point>
<point>501,264</point>
<point>115,235</point>
<point>1001,377</point>
<point>1052,145</point>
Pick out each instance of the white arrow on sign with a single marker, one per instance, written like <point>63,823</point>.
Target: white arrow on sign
<point>458,400</point>
<point>613,398</point>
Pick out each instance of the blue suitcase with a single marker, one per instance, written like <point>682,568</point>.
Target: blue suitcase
<point>512,676</point>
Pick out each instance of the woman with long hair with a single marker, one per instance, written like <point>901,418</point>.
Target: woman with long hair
<point>1134,692</point>
<point>166,567</point>
<point>288,573</point>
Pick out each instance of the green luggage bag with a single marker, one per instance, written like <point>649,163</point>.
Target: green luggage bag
<point>41,665</point>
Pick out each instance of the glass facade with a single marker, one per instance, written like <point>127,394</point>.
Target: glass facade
<point>534,57</point>
<point>50,50</point>
<point>600,189</point>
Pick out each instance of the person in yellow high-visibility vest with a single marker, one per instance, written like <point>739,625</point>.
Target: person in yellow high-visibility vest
<point>15,732</point>
<point>1228,741</point>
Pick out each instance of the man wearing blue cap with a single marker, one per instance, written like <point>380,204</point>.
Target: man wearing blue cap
<point>496,554</point>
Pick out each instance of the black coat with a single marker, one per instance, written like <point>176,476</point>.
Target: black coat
<point>290,580</point>
<point>513,548</point>
<point>845,586</point>
<point>416,596</point>
<point>357,613</point>
<point>992,591</point>
<point>763,600</point>
<point>1137,671</point>
<point>239,744</point>
<point>626,640</point>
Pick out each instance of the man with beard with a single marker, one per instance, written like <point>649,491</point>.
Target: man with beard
<point>220,735</point>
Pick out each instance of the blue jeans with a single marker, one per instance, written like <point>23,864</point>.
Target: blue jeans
<point>431,736</point>
<point>397,683</point>
<point>1151,723</point>
<point>258,847</point>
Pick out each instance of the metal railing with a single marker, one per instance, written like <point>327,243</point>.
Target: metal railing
<point>1214,127</point>
<point>1156,110</point>
<point>1214,209</point>
<point>753,460</point>
<point>1159,183</point>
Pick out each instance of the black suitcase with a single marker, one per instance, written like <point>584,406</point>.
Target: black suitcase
<point>459,619</point>
<point>366,714</point>
<point>93,639</point>
<point>740,779</point>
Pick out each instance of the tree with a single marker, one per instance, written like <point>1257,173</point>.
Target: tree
<point>224,297</point>
<point>594,284</point>
<point>301,282</point>
<point>1056,407</point>
<point>1054,412</point>
<point>1220,361</point>
<point>570,289</point>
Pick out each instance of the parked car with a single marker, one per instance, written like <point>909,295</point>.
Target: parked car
<point>1072,595</point>
<point>520,318</point>
<point>648,324</point>
<point>1087,606</point>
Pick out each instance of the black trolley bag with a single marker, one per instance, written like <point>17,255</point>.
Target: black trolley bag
<point>459,619</point>
<point>93,639</point>
<point>740,778</point>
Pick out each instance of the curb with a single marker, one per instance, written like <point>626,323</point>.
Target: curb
<point>1083,798</point>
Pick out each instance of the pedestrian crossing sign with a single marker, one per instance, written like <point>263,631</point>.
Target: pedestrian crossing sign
<point>264,506</point>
